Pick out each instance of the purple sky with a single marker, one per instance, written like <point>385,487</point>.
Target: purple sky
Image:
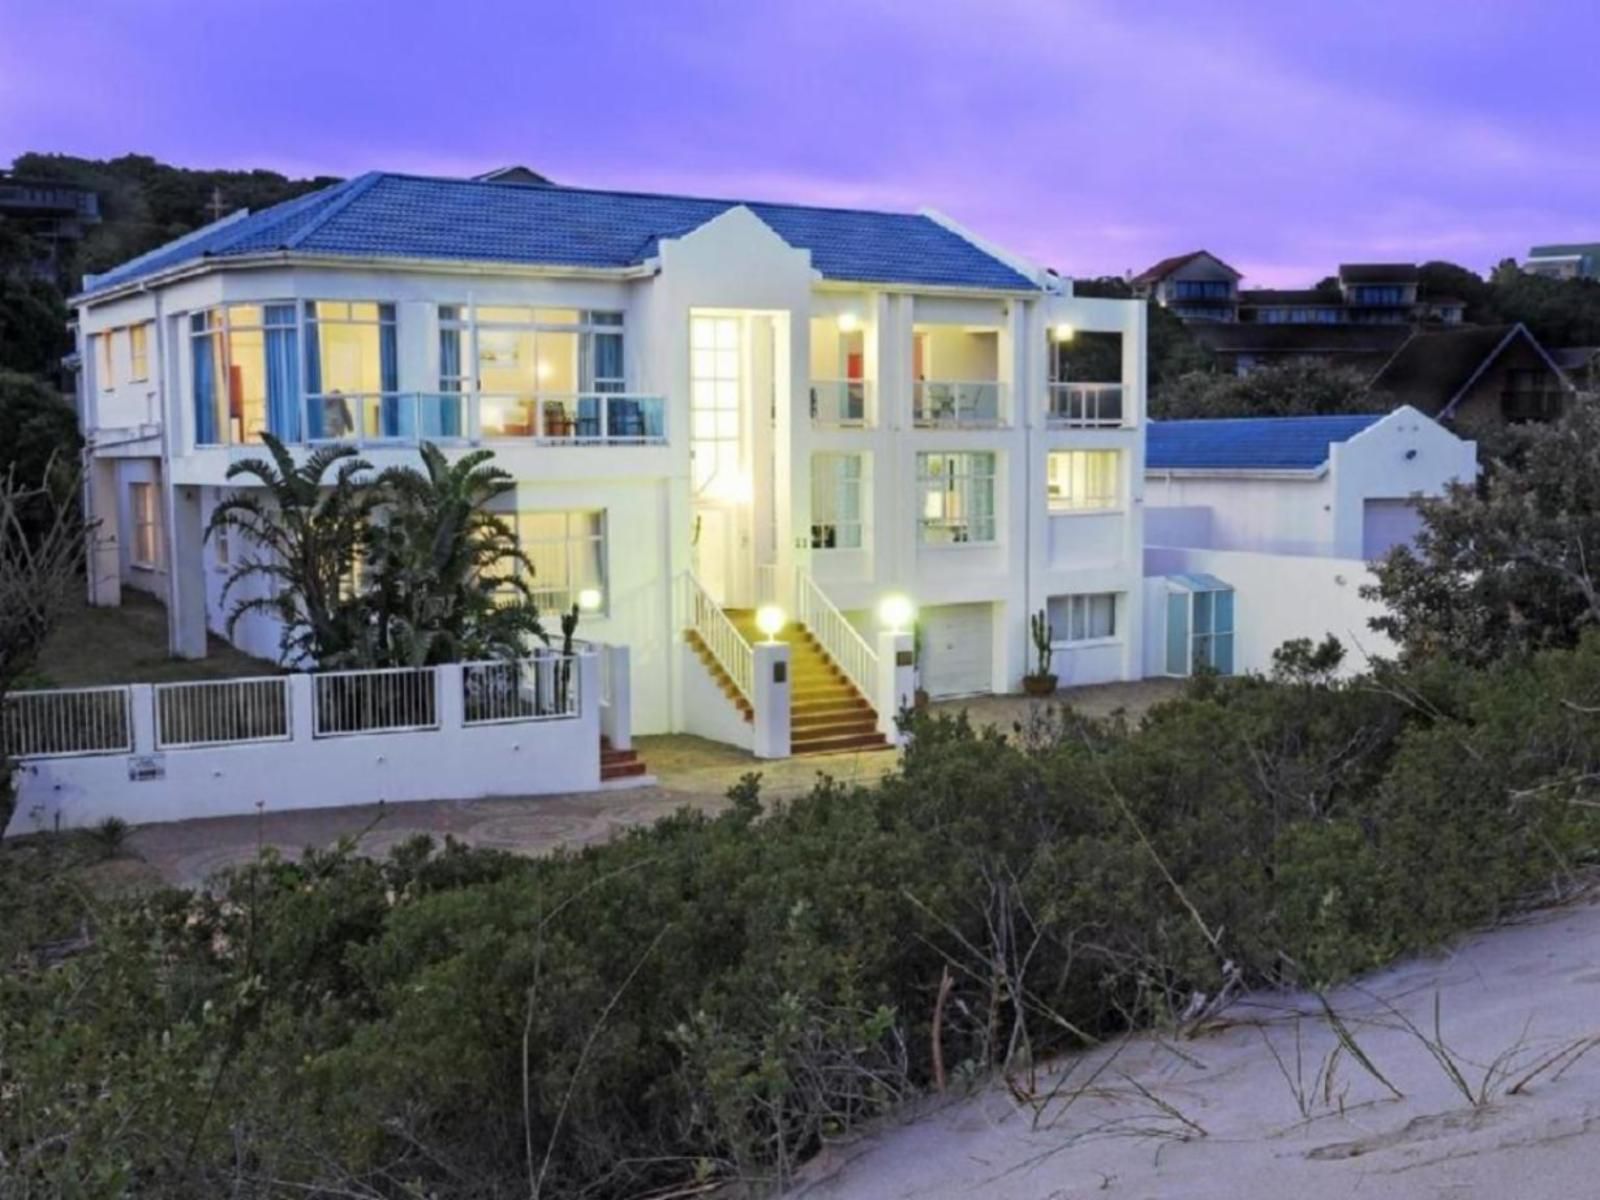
<point>1096,137</point>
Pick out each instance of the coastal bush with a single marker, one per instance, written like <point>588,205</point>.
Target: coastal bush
<point>714,997</point>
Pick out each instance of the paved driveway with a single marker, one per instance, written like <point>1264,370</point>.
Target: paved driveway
<point>688,771</point>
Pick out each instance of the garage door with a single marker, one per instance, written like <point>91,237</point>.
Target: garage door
<point>1388,523</point>
<point>958,649</point>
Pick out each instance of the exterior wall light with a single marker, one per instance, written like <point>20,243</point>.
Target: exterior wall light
<point>589,599</point>
<point>769,620</point>
<point>896,613</point>
<point>1064,332</point>
<point>849,322</point>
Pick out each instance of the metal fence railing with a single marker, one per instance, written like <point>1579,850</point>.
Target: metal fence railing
<point>71,721</point>
<point>383,701</point>
<point>541,688</point>
<point>1093,405</point>
<point>221,712</point>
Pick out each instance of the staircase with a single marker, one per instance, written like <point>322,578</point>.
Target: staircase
<point>826,715</point>
<point>618,764</point>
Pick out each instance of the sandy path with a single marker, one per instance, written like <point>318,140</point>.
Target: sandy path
<point>1541,976</point>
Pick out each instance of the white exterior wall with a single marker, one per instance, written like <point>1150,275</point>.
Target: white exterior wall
<point>733,263</point>
<point>1321,513</point>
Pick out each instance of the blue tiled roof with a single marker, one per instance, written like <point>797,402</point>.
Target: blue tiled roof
<point>383,215</point>
<point>1249,443</point>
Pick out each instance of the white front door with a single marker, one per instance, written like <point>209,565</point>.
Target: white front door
<point>1386,524</point>
<point>713,553</point>
<point>957,649</point>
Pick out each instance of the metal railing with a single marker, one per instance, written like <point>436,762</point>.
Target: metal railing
<point>834,633</point>
<point>384,701</point>
<point>957,403</point>
<point>1085,405</point>
<point>720,635</point>
<point>542,688</point>
<point>405,418</point>
<point>839,403</point>
<point>222,712</point>
<point>73,721</point>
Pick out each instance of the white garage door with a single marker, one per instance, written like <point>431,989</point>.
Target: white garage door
<point>958,649</point>
<point>1388,523</point>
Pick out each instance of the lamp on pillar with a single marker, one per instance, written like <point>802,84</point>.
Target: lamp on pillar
<point>896,612</point>
<point>770,621</point>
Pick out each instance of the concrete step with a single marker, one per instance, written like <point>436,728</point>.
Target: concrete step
<point>833,745</point>
<point>627,770</point>
<point>831,729</point>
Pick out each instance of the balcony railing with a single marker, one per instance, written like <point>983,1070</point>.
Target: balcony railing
<point>405,418</point>
<point>957,404</point>
<point>1085,405</point>
<point>839,403</point>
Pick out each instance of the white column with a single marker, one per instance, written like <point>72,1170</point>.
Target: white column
<point>617,719</point>
<point>302,713</point>
<point>772,687</point>
<point>447,679</point>
<point>142,705</point>
<point>896,686</point>
<point>105,518</point>
<point>186,575</point>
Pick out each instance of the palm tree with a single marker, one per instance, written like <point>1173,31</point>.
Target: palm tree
<point>449,583</point>
<point>307,534</point>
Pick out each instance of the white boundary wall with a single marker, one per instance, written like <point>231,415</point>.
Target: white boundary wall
<point>1277,597</point>
<point>455,761</point>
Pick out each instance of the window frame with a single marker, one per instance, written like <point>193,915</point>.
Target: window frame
<point>1061,503</point>
<point>139,352</point>
<point>1079,606</point>
<point>598,542</point>
<point>106,360</point>
<point>144,528</point>
<point>843,484</point>
<point>963,483</point>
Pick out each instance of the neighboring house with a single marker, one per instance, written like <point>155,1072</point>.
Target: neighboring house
<point>1197,286</point>
<point>705,403</point>
<point>1337,486</point>
<point>1260,530</point>
<point>1571,260</point>
<point>1475,378</point>
<point>54,214</point>
<point>1246,345</point>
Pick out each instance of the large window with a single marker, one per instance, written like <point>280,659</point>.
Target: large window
<point>1084,480</point>
<point>541,371</point>
<point>145,522</point>
<point>1088,617</point>
<point>353,372</point>
<point>1201,289</point>
<point>714,404</point>
<point>957,498</point>
<point>836,501</point>
<point>139,352</point>
<point>568,553</point>
<point>108,375</point>
<point>245,373</point>
<point>1199,625</point>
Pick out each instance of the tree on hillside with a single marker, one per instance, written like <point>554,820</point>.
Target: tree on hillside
<point>1438,280</point>
<point>1511,565</point>
<point>38,445</point>
<point>1173,350</point>
<point>1559,312</point>
<point>1288,389</point>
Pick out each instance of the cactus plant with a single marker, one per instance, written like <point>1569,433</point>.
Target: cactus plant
<point>1041,682</point>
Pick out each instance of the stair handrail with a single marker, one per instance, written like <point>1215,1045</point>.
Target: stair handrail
<point>835,634</point>
<point>720,635</point>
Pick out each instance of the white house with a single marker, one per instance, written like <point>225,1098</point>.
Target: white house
<point>1338,486</point>
<point>706,404</point>
<point>1260,530</point>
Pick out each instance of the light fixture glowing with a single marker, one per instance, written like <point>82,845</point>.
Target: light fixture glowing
<point>543,370</point>
<point>589,599</point>
<point>1064,332</point>
<point>849,322</point>
<point>896,612</point>
<point>769,620</point>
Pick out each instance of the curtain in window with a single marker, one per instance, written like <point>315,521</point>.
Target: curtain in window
<point>316,418</point>
<point>283,373</point>
<point>205,390</point>
<point>603,363</point>
<point>399,418</point>
<point>443,419</point>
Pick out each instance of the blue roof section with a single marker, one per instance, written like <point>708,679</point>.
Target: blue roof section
<point>1249,443</point>
<point>405,216</point>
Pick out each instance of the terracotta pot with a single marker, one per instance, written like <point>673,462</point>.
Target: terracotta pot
<point>1039,685</point>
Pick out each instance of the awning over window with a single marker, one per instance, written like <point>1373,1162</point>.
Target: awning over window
<point>1199,582</point>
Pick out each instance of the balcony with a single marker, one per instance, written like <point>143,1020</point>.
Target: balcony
<point>1084,406</point>
<point>839,403</point>
<point>957,404</point>
<point>406,418</point>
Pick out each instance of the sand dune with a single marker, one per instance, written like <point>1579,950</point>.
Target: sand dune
<point>1216,1117</point>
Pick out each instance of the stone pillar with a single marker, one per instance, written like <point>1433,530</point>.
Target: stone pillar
<point>449,696</point>
<point>772,687</point>
<point>616,721</point>
<point>302,710</point>
<point>896,685</point>
<point>186,574</point>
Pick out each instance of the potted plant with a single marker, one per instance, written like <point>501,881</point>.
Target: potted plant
<point>1041,682</point>
<point>919,697</point>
